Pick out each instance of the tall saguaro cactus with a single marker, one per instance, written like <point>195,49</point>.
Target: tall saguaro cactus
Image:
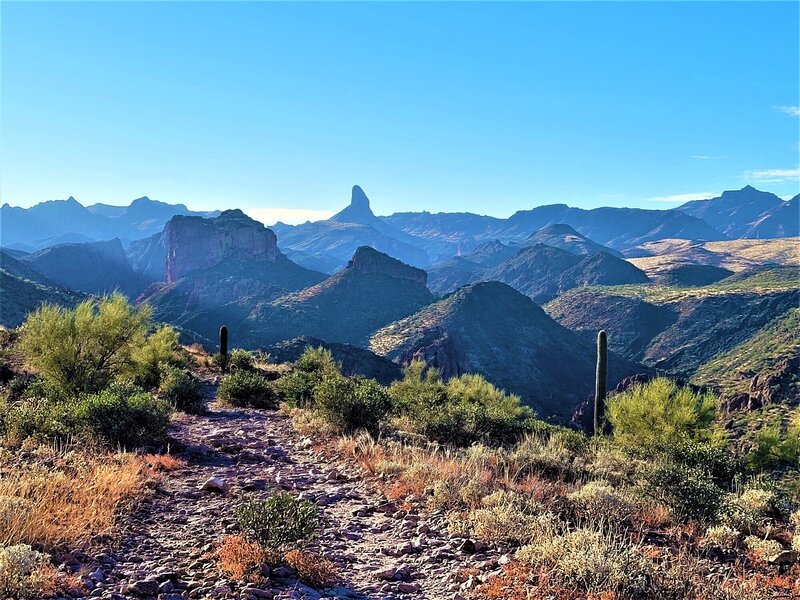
<point>600,383</point>
<point>223,347</point>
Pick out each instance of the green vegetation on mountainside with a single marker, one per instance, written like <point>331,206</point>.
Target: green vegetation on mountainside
<point>732,371</point>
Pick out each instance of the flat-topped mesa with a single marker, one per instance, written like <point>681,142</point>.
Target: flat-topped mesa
<point>195,243</point>
<point>368,260</point>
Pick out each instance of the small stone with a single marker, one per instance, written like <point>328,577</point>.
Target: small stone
<point>146,587</point>
<point>786,557</point>
<point>98,576</point>
<point>216,486</point>
<point>386,574</point>
<point>468,547</point>
<point>407,587</point>
<point>257,592</point>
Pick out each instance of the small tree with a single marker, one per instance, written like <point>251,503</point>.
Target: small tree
<point>86,348</point>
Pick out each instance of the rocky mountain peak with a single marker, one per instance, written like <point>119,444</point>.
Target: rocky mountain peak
<point>358,211</point>
<point>195,243</point>
<point>368,260</point>
<point>359,200</point>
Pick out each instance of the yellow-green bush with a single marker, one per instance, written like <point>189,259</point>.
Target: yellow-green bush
<point>86,348</point>
<point>461,411</point>
<point>599,501</point>
<point>659,412</point>
<point>592,560</point>
<point>297,387</point>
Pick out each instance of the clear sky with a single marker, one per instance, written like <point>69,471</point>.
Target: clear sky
<point>480,107</point>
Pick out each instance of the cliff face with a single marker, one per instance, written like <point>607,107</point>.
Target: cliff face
<point>194,243</point>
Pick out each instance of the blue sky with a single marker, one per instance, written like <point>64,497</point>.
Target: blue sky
<point>280,108</point>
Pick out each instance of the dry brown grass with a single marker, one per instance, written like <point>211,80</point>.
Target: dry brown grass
<point>312,569</point>
<point>51,498</point>
<point>241,559</point>
<point>163,463</point>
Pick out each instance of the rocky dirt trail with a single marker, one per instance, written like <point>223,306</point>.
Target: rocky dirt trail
<point>380,551</point>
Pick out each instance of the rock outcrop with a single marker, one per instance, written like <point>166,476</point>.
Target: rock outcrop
<point>372,291</point>
<point>368,260</point>
<point>194,243</point>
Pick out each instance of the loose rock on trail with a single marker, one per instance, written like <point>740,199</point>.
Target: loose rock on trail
<point>381,551</point>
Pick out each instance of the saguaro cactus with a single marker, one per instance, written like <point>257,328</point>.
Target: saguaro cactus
<point>600,383</point>
<point>223,347</point>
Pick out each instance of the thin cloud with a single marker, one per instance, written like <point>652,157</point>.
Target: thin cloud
<point>793,111</point>
<point>704,157</point>
<point>292,216</point>
<point>683,197</point>
<point>773,175</point>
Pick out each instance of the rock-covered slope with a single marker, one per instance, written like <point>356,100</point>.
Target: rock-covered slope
<point>659,258</point>
<point>763,369</point>
<point>676,333</point>
<point>491,329</point>
<point>373,290</point>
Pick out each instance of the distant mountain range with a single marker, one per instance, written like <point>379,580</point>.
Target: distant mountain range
<point>748,213</point>
<point>421,239</point>
<point>62,221</point>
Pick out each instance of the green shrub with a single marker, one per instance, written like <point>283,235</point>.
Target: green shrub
<point>776,448</point>
<point>352,403</point>
<point>242,388</point>
<point>592,560</point>
<point>690,492</point>
<point>464,410</point>
<point>657,413</point>
<point>241,360</point>
<point>121,417</point>
<point>298,386</point>
<point>280,521</point>
<point>182,389</point>
<point>317,360</point>
<point>717,461</point>
<point>87,348</point>
<point>34,417</point>
<point>150,357</point>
